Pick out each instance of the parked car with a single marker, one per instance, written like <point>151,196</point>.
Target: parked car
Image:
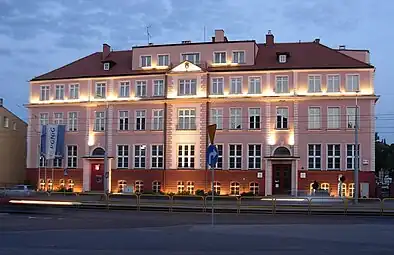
<point>20,191</point>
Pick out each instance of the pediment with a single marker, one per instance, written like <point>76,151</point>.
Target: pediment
<point>186,66</point>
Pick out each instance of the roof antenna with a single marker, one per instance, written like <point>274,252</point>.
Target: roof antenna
<point>148,33</point>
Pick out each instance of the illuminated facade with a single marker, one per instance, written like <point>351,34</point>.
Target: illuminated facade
<point>285,114</point>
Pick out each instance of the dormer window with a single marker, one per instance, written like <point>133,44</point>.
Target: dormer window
<point>106,66</point>
<point>282,58</point>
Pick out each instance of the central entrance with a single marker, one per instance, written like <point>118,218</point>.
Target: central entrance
<point>281,179</point>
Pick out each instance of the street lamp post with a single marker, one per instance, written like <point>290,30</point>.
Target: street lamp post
<point>356,163</point>
<point>106,172</point>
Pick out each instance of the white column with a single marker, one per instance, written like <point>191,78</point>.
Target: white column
<point>86,163</point>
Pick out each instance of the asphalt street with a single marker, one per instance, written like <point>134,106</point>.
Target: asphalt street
<point>125,232</point>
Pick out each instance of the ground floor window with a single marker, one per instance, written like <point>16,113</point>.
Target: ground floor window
<point>122,184</point>
<point>62,184</point>
<point>216,188</point>
<point>70,185</point>
<point>190,188</point>
<point>234,188</point>
<point>42,184</point>
<point>254,188</point>
<point>139,186</point>
<point>156,187</point>
<point>351,189</point>
<point>180,187</point>
<point>50,185</point>
<point>343,192</point>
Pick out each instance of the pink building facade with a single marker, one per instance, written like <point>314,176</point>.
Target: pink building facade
<point>285,114</point>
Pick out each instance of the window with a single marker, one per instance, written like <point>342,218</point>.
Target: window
<point>216,188</point>
<point>190,188</point>
<point>351,154</point>
<point>158,88</point>
<point>187,87</point>
<point>282,116</point>
<point>236,86</point>
<point>42,184</point>
<point>217,117</point>
<point>123,120</point>
<point>44,93</point>
<point>282,84</point>
<point>235,156</point>
<point>282,58</point>
<point>140,88</point>
<point>6,122</point>
<point>50,185</point>
<point>219,164</point>
<point>72,156</point>
<point>124,89</point>
<point>146,61</point>
<point>351,117</point>
<point>139,186</point>
<point>158,119</point>
<point>43,162</point>
<point>62,183</point>
<point>70,185</point>
<point>325,186</point>
<point>191,57</point>
<point>100,90</point>
<point>217,86</point>
<point>122,184</point>
<point>351,189</point>
<point>186,119</point>
<point>254,156</point>
<point>254,118</point>
<point>254,85</point>
<point>106,66</point>
<point>123,156</point>
<point>314,83</point>
<point>139,156</point>
<point>314,156</point>
<point>220,58</point>
<point>163,60</point>
<point>239,57</point>
<point>72,121</point>
<point>314,118</point>
<point>73,91</point>
<point>58,118</point>
<point>333,83</point>
<point>44,119</point>
<point>140,119</point>
<point>157,156</point>
<point>352,83</point>
<point>234,188</point>
<point>235,118</point>
<point>186,156</point>
<point>254,188</point>
<point>99,121</point>
<point>333,156</point>
<point>57,163</point>
<point>342,192</point>
<point>156,187</point>
<point>180,187</point>
<point>333,117</point>
<point>14,125</point>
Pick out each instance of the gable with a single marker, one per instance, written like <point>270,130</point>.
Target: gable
<point>186,66</point>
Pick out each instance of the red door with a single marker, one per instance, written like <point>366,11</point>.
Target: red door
<point>97,177</point>
<point>281,179</point>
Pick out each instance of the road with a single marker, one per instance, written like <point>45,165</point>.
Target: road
<point>145,233</point>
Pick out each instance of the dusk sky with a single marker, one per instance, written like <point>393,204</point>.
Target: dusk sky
<point>37,36</point>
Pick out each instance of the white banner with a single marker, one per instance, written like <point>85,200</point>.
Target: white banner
<point>51,141</point>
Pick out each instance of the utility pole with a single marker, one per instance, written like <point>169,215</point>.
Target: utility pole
<point>106,172</point>
<point>356,165</point>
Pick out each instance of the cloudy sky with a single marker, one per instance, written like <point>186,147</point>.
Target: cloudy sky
<point>39,35</point>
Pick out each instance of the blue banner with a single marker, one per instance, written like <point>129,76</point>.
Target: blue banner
<point>52,141</point>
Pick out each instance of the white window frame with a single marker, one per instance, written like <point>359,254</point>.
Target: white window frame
<point>158,88</point>
<point>234,188</point>
<point>140,120</point>
<point>333,120</point>
<point>351,189</point>
<point>139,186</point>
<point>314,117</point>
<point>180,187</point>
<point>187,87</point>
<point>282,58</point>
<point>282,85</point>
<point>255,159</point>
<point>74,158</point>
<point>254,85</point>
<point>351,117</point>
<point>166,57</point>
<point>219,164</point>
<point>99,121</point>
<point>254,188</point>
<point>72,121</point>
<point>59,91</point>
<point>236,85</point>
<point>221,59</point>
<point>73,91</point>
<point>45,91</point>
<point>190,187</point>
<point>282,115</point>
<point>187,119</point>
<point>141,88</point>
<point>238,57</point>
<point>352,156</point>
<point>139,152</point>
<point>217,117</point>
<point>58,163</point>
<point>181,163</point>
<point>216,187</point>
<point>44,118</point>
<point>343,190</point>
<point>334,156</point>
<point>196,57</point>
<point>122,156</point>
<point>157,156</point>
<point>58,118</point>
<point>235,118</point>
<point>6,123</point>
<point>106,66</point>
<point>124,89</point>
<point>157,119</point>
<point>124,120</point>
<point>315,157</point>
<point>237,158</point>
<point>256,117</point>
<point>100,91</point>
<point>314,83</point>
<point>331,85</point>
<point>145,61</point>
<point>217,85</point>
<point>350,79</point>
<point>156,186</point>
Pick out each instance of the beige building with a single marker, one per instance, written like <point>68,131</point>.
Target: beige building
<point>13,132</point>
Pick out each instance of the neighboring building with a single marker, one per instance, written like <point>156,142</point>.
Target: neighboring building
<point>285,114</point>
<point>13,132</point>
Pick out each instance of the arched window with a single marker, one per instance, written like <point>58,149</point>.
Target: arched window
<point>351,189</point>
<point>180,187</point>
<point>156,187</point>
<point>190,187</point>
<point>216,188</point>
<point>282,152</point>
<point>42,184</point>
<point>139,186</point>
<point>343,190</point>
<point>254,188</point>
<point>98,152</point>
<point>50,185</point>
<point>70,185</point>
<point>234,188</point>
<point>122,184</point>
<point>325,186</point>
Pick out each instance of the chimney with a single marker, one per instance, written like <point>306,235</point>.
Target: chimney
<point>1,102</point>
<point>342,47</point>
<point>219,36</point>
<point>106,51</point>
<point>269,38</point>
<point>317,40</point>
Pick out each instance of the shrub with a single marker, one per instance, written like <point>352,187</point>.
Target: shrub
<point>200,192</point>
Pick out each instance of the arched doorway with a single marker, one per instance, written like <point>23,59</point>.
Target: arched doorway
<point>281,173</point>
<point>97,170</point>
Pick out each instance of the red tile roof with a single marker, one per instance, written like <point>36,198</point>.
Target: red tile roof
<point>307,55</point>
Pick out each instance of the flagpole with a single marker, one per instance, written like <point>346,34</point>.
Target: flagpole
<point>53,181</point>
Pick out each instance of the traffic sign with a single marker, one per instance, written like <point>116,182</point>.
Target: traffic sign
<point>212,155</point>
<point>211,132</point>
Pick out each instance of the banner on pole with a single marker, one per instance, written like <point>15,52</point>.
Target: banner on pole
<point>52,141</point>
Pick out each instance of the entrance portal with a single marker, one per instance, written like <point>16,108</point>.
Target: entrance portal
<point>281,183</point>
<point>97,177</point>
